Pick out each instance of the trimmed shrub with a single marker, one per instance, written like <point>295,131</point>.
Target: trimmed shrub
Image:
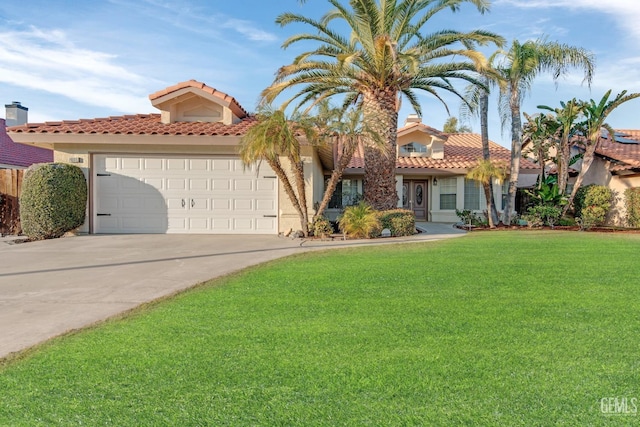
<point>594,205</point>
<point>401,222</point>
<point>53,200</point>
<point>632,205</point>
<point>540,215</point>
<point>322,227</point>
<point>360,221</point>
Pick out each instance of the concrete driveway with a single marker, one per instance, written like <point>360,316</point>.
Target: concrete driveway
<point>50,287</point>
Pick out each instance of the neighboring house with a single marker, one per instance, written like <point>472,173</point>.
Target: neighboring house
<point>18,156</point>
<point>430,175</point>
<point>617,166</point>
<point>179,171</point>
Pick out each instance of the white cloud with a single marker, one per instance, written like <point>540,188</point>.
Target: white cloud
<point>627,11</point>
<point>48,61</point>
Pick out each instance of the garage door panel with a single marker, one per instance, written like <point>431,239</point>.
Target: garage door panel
<point>243,185</point>
<point>156,194</point>
<point>130,163</point>
<point>220,184</point>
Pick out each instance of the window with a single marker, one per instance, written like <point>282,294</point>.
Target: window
<point>412,147</point>
<point>346,194</point>
<point>472,194</point>
<point>505,193</point>
<point>448,193</point>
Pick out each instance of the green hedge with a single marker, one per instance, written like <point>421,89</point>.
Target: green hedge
<point>53,200</point>
<point>632,205</point>
<point>401,222</point>
<point>592,204</point>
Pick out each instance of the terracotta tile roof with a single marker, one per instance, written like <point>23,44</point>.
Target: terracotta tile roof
<point>626,155</point>
<point>461,151</point>
<point>139,124</point>
<point>233,104</point>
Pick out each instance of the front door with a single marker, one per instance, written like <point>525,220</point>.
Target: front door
<point>414,197</point>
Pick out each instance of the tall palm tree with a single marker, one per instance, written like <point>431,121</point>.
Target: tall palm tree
<point>273,137</point>
<point>592,128</point>
<point>389,52</point>
<point>476,103</point>
<point>520,66</point>
<point>485,172</point>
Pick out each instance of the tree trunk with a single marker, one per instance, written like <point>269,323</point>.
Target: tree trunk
<point>492,212</point>
<point>298,171</point>
<point>563,166</point>
<point>288,188</point>
<point>348,148</point>
<point>380,116</point>
<point>589,155</point>
<point>516,150</point>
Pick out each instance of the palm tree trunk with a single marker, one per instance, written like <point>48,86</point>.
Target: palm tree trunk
<point>563,166</point>
<point>298,172</point>
<point>516,150</point>
<point>348,148</point>
<point>288,189</point>
<point>492,212</point>
<point>587,160</point>
<point>380,116</point>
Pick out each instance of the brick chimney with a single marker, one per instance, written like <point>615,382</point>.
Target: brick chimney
<point>16,114</point>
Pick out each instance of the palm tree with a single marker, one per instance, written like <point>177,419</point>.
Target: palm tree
<point>388,53</point>
<point>595,122</point>
<point>476,103</point>
<point>274,136</point>
<point>565,130</point>
<point>540,130</point>
<point>485,172</point>
<point>520,66</point>
<point>344,130</point>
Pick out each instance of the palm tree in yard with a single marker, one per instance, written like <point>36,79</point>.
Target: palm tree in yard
<point>485,172</point>
<point>595,115</point>
<point>476,103</point>
<point>565,130</point>
<point>520,66</point>
<point>344,131</point>
<point>274,137</point>
<point>389,51</point>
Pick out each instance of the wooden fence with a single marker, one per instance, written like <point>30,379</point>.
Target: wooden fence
<point>10,187</point>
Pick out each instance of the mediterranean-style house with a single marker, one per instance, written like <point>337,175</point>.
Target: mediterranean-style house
<point>179,172</point>
<point>18,156</point>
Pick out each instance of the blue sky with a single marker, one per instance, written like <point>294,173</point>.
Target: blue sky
<point>68,59</point>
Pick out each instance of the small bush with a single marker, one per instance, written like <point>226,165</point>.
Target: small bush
<point>322,227</point>
<point>468,217</point>
<point>632,205</point>
<point>594,205</point>
<point>567,221</point>
<point>540,215</point>
<point>401,222</point>
<point>360,221</point>
<point>53,200</point>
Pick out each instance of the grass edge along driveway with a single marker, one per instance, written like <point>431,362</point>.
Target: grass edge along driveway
<point>505,328</point>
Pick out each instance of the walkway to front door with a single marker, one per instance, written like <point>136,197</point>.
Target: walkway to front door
<point>415,198</point>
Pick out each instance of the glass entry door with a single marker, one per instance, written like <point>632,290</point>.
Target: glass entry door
<point>414,197</point>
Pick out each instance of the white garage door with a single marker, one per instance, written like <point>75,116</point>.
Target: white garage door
<point>200,195</point>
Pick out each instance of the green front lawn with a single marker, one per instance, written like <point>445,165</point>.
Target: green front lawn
<point>495,328</point>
